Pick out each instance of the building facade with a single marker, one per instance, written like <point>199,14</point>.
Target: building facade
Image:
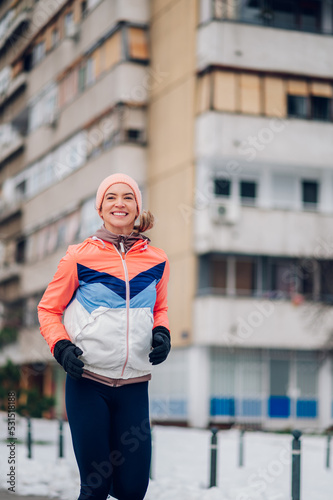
<point>222,111</point>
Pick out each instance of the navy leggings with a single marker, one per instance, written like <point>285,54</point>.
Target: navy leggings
<point>111,438</point>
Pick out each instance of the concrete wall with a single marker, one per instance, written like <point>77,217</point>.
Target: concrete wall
<point>262,48</point>
<point>170,153</point>
<point>83,183</point>
<point>266,232</point>
<point>292,142</point>
<point>119,85</point>
<point>100,21</point>
<point>246,322</point>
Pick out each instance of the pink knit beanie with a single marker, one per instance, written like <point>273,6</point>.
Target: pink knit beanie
<point>115,179</point>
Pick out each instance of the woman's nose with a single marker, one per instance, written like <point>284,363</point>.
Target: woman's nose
<point>120,202</point>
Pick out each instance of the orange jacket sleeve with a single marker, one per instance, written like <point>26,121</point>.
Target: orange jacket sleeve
<point>161,304</point>
<point>55,299</point>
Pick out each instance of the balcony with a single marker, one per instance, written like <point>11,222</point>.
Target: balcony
<point>105,16</point>
<point>129,158</point>
<point>259,323</point>
<point>235,44</point>
<point>16,19</point>
<point>124,83</point>
<point>14,86</point>
<point>291,142</point>
<point>263,231</point>
<point>10,271</point>
<point>11,148</point>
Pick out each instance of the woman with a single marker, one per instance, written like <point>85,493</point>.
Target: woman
<point>112,289</point>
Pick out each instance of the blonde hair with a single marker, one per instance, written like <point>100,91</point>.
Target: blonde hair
<point>146,222</point>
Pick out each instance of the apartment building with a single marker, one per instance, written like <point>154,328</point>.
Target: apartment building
<point>248,201</point>
<point>77,113</point>
<point>222,110</point>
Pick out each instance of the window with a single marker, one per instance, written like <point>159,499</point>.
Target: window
<point>82,78</point>
<point>133,135</point>
<point>326,280</point>
<point>245,276</point>
<point>297,106</point>
<point>222,187</point>
<point>138,45</point>
<point>309,194</point>
<point>310,15</point>
<point>55,37</point>
<point>320,108</point>
<point>20,251</point>
<point>284,189</point>
<point>248,192</point>
<point>69,21</point>
<point>90,71</point>
<point>84,9</point>
<point>218,273</point>
<point>21,190</point>
<point>38,52</point>
<point>284,278</point>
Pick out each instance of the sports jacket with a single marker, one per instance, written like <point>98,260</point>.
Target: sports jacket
<point>111,302</point>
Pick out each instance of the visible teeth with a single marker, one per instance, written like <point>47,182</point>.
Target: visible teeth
<point>118,213</point>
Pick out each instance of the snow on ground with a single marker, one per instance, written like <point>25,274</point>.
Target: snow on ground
<point>181,465</point>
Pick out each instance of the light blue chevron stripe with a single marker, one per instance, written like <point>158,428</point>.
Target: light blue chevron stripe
<point>146,298</point>
<point>95,295</point>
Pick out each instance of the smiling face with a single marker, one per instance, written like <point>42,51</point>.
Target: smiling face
<point>119,209</point>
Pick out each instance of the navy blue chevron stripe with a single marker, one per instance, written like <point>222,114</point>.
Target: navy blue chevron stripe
<point>144,279</point>
<point>137,284</point>
<point>92,276</point>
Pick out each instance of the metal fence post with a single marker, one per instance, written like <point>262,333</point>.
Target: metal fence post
<point>328,451</point>
<point>296,466</point>
<point>61,439</point>
<point>29,438</point>
<point>241,448</point>
<point>213,457</point>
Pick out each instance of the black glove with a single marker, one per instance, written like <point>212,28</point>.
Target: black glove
<point>161,345</point>
<point>66,354</point>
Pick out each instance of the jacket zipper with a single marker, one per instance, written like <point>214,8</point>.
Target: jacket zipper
<point>123,260</point>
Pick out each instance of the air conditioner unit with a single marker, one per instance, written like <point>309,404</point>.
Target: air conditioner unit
<point>73,32</point>
<point>224,212</point>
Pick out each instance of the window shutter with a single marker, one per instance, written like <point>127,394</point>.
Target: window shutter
<point>137,43</point>
<point>274,94</point>
<point>224,91</point>
<point>297,87</point>
<point>321,89</point>
<point>250,94</point>
<point>113,50</point>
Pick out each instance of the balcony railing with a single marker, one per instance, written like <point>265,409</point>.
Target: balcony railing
<point>17,83</point>
<point>315,16</point>
<point>15,18</point>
